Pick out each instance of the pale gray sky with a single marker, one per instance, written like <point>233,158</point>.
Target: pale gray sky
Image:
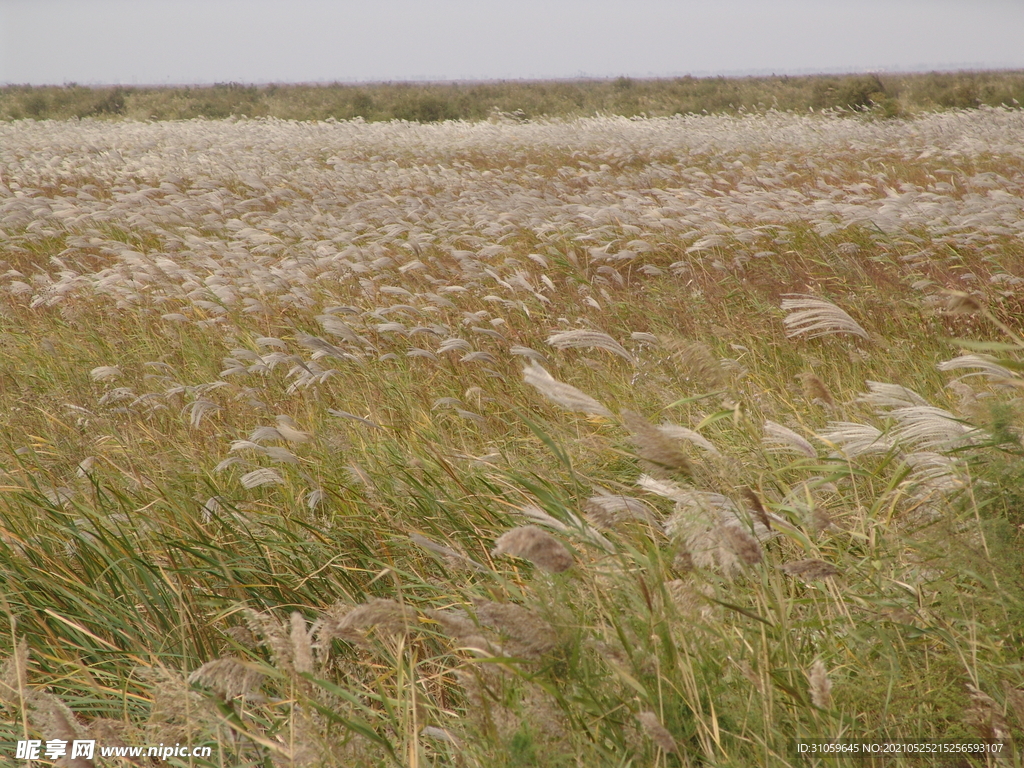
<point>259,41</point>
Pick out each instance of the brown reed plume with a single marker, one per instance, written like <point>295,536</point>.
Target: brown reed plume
<point>657,452</point>
<point>536,545</point>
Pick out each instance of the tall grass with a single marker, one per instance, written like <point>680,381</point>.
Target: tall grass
<point>886,95</point>
<point>604,442</point>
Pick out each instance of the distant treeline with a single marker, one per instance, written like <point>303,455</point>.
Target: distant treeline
<point>888,95</point>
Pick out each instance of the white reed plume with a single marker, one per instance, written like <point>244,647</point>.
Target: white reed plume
<point>819,686</point>
<point>854,439</point>
<point>778,438</point>
<point>812,317</point>
<point>290,431</point>
<point>713,533</point>
<point>881,395</point>
<point>608,510</point>
<point>561,394</point>
<point>105,373</point>
<point>929,428</point>
<point>587,339</point>
<point>532,354</point>
<point>986,365</point>
<point>677,432</point>
<point>260,477</point>
<point>200,409</point>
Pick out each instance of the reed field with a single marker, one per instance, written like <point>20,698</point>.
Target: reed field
<point>607,441</point>
<point>886,94</point>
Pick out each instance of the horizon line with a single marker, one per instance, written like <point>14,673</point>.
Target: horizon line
<point>582,77</point>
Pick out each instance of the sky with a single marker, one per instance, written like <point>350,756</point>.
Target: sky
<point>176,42</point>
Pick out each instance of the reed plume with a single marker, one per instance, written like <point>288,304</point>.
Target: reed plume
<point>536,545</point>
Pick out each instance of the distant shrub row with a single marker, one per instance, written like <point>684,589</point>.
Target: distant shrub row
<point>888,95</point>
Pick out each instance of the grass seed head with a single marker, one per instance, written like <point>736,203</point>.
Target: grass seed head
<point>746,547</point>
<point>527,635</point>
<point>815,390</point>
<point>682,560</point>
<point>563,395</point>
<point>607,510</point>
<point>960,303</point>
<point>810,570</point>
<point>57,721</point>
<point>589,339</point>
<point>659,733</point>
<point>655,449</point>
<point>751,497</point>
<point>986,716</point>
<point>536,545</point>
<point>1015,700</point>
<point>819,686</point>
<point>696,361</point>
<point>821,520</point>
<point>386,616</point>
<point>780,439</point>
<point>302,650</point>
<point>812,317</point>
<point>290,431</point>
<point>228,676</point>
<point>105,373</point>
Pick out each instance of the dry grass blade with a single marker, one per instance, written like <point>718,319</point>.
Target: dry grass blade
<point>812,317</point>
<point>589,339</point>
<point>563,395</point>
<point>353,417</point>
